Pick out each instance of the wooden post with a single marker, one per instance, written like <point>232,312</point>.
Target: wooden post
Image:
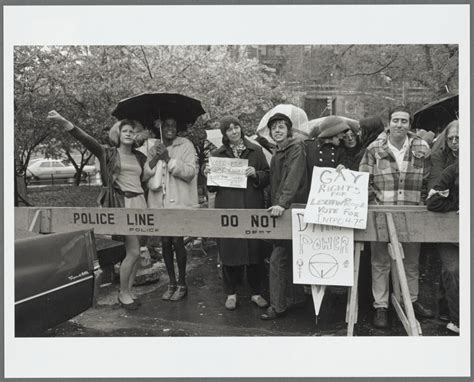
<point>352,296</point>
<point>397,253</point>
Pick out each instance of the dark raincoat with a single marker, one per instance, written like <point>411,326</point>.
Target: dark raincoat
<point>234,252</point>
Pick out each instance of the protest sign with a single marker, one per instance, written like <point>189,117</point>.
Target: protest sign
<point>227,172</point>
<point>338,198</point>
<point>322,255</point>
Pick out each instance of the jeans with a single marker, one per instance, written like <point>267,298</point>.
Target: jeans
<point>283,293</point>
<point>381,262</point>
<point>449,254</point>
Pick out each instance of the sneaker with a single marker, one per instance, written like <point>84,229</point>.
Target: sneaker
<point>453,327</point>
<point>231,302</point>
<point>421,311</point>
<point>180,293</point>
<point>381,318</point>
<point>259,301</point>
<point>169,292</point>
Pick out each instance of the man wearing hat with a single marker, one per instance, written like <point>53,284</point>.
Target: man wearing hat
<point>288,182</point>
<point>326,150</point>
<point>398,165</point>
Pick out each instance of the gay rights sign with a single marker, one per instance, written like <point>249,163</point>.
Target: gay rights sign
<point>338,198</point>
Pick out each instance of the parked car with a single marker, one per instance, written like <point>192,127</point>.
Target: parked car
<point>56,278</point>
<point>59,169</point>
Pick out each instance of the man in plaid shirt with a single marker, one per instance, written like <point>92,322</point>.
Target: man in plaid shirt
<point>398,163</point>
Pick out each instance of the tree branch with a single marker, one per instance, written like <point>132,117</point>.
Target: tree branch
<point>374,72</point>
<point>146,62</point>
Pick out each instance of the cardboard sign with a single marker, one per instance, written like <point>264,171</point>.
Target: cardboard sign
<point>322,255</point>
<point>338,198</point>
<point>227,172</point>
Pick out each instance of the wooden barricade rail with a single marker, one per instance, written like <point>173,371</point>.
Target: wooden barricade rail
<point>390,224</point>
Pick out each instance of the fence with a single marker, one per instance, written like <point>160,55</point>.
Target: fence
<point>390,224</point>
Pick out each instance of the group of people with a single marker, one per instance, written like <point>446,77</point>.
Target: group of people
<point>403,170</point>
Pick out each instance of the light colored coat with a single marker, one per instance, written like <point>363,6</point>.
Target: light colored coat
<point>179,178</point>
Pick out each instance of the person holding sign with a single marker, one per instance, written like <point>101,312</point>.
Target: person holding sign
<point>237,254</point>
<point>122,169</point>
<point>288,182</point>
<point>175,172</point>
<point>398,165</point>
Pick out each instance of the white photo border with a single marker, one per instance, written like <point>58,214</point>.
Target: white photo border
<point>254,356</point>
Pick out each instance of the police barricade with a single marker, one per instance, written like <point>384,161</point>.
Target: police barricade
<point>391,224</point>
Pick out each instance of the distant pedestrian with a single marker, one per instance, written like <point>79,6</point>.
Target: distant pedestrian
<point>122,170</point>
<point>288,181</point>
<point>240,255</point>
<point>175,186</point>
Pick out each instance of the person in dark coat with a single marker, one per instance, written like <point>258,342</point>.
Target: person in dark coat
<point>327,150</point>
<point>444,197</point>
<point>444,151</point>
<point>352,144</point>
<point>370,129</point>
<point>288,180</point>
<point>237,254</point>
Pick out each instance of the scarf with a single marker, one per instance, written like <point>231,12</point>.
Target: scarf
<point>238,148</point>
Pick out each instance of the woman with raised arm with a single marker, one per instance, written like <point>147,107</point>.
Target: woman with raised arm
<point>122,170</point>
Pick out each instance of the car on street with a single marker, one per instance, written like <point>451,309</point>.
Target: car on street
<point>57,277</point>
<point>44,168</point>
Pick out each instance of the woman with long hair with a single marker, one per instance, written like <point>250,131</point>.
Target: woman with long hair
<point>122,170</point>
<point>445,151</point>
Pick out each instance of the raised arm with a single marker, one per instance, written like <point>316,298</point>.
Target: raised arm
<point>89,142</point>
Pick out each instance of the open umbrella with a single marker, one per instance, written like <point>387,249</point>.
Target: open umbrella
<point>297,116</point>
<point>313,125</point>
<point>435,115</point>
<point>148,107</point>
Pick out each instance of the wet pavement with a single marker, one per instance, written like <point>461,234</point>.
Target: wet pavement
<point>202,312</point>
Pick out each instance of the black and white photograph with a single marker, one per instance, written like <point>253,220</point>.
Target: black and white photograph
<point>216,199</point>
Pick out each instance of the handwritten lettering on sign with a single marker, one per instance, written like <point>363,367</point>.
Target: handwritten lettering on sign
<point>322,255</point>
<point>227,172</point>
<point>338,198</point>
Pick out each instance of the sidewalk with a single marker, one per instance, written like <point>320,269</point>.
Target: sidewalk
<point>202,312</point>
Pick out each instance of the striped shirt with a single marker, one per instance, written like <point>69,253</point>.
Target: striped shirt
<point>390,184</point>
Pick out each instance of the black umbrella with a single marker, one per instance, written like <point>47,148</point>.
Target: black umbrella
<point>148,107</point>
<point>435,115</point>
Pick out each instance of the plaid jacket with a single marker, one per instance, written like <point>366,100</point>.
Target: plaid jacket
<point>387,185</point>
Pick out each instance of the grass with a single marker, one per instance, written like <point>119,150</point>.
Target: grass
<point>64,196</point>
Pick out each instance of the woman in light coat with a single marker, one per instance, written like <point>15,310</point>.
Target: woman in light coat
<point>173,185</point>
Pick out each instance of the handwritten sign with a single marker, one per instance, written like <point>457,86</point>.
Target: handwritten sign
<point>227,172</point>
<point>322,255</point>
<point>338,198</point>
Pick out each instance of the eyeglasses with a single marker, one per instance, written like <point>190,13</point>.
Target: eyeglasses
<point>454,137</point>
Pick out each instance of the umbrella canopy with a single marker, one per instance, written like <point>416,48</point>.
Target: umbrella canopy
<point>297,116</point>
<point>434,116</point>
<point>148,107</point>
<point>313,125</point>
